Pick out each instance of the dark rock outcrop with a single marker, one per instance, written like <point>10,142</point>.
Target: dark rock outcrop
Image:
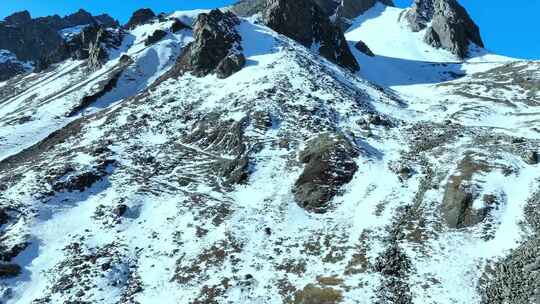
<point>329,164</point>
<point>451,26</point>
<point>107,21</point>
<point>140,17</point>
<point>178,26</point>
<point>346,10</point>
<point>9,65</point>
<point>310,28</point>
<point>18,18</point>
<point>9,270</point>
<point>38,40</point>
<point>155,37</point>
<point>216,47</point>
<point>460,194</point>
<point>363,47</point>
<point>341,11</point>
<point>230,65</point>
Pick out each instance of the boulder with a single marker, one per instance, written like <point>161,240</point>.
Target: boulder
<point>329,164</point>
<point>313,294</point>
<point>310,28</point>
<point>140,17</point>
<point>216,47</point>
<point>120,210</point>
<point>362,47</point>
<point>460,194</point>
<point>451,26</point>
<point>230,65</point>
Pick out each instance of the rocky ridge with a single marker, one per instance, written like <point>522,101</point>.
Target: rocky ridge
<point>447,24</point>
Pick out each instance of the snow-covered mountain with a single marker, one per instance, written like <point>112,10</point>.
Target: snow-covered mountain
<point>270,157</point>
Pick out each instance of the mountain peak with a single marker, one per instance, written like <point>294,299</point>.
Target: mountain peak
<point>311,29</point>
<point>18,18</point>
<point>451,26</point>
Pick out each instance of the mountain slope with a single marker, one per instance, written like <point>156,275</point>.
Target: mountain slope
<point>291,180</point>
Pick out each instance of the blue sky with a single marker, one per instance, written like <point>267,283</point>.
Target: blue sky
<point>508,27</point>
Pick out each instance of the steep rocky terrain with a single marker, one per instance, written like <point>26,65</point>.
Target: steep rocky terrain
<point>202,157</point>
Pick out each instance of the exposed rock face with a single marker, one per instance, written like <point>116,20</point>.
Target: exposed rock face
<point>38,41</point>
<point>178,26</point>
<point>451,26</point>
<point>9,65</point>
<point>106,20</point>
<point>92,43</point>
<point>460,194</point>
<point>155,37</point>
<point>140,17</point>
<point>216,47</point>
<point>347,10</point>
<point>363,47</point>
<point>18,18</point>
<point>9,270</point>
<point>329,160</point>
<point>311,28</point>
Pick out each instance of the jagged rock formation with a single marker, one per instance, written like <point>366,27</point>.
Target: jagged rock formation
<point>312,29</point>
<point>451,26</point>
<point>38,40</point>
<point>216,47</point>
<point>329,164</point>
<point>140,17</point>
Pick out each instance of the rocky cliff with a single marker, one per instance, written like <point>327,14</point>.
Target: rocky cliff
<point>448,25</point>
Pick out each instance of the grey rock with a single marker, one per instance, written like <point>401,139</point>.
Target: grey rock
<point>216,45</point>
<point>230,65</point>
<point>451,26</point>
<point>310,28</point>
<point>459,195</point>
<point>97,55</point>
<point>140,17</point>
<point>363,47</point>
<point>329,164</point>
<point>432,38</point>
